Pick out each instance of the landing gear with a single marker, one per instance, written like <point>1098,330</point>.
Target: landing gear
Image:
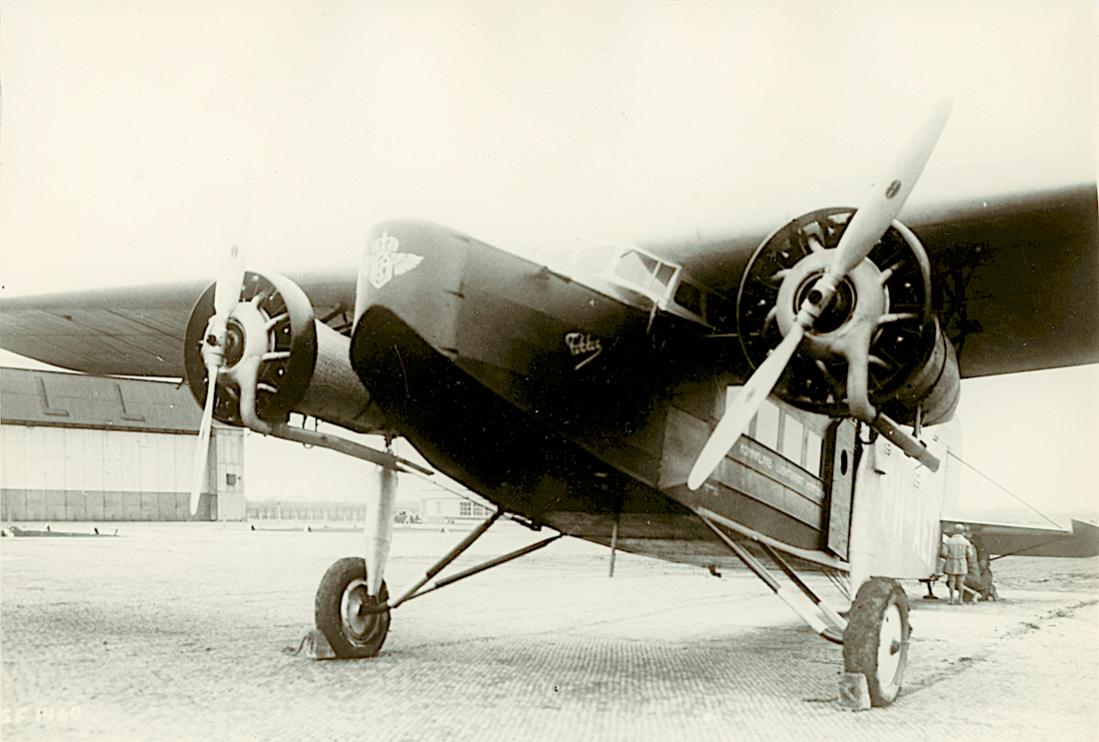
<point>875,643</point>
<point>352,606</point>
<point>345,612</point>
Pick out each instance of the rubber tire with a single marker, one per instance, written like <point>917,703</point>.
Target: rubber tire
<point>860,640</point>
<point>329,617</point>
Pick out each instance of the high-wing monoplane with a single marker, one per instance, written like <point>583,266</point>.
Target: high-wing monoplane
<point>766,396</point>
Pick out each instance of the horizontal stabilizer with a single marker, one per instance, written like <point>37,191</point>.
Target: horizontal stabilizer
<point>1081,540</point>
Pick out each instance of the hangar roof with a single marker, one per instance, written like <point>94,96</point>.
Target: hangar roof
<point>75,400</point>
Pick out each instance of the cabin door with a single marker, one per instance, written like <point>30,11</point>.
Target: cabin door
<point>839,478</point>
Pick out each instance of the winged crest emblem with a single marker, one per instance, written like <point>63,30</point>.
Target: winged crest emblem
<point>384,261</point>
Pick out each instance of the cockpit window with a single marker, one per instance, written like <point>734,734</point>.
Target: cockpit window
<point>626,266</point>
<point>635,268</point>
<point>643,272</point>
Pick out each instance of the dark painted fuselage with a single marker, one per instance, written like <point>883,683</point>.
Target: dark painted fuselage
<point>569,406</point>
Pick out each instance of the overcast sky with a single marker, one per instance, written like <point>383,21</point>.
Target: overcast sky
<point>140,138</point>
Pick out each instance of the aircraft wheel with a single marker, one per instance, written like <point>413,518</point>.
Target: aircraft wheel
<point>875,643</point>
<point>341,596</point>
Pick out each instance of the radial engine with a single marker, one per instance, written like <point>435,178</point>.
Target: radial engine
<point>908,369</point>
<point>278,359</point>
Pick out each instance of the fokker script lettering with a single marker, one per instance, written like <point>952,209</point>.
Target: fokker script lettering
<point>581,343</point>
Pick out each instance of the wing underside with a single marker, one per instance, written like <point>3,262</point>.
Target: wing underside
<point>133,331</point>
<point>1080,540</point>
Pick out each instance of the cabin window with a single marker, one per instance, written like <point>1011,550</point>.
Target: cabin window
<point>812,451</point>
<point>792,433</point>
<point>767,419</point>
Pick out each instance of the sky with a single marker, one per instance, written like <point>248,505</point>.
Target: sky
<point>138,139</point>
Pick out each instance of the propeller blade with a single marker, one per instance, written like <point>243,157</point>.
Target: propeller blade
<point>863,232</point>
<point>888,195</point>
<point>198,473</point>
<point>226,296</point>
<point>736,420</point>
<point>227,289</point>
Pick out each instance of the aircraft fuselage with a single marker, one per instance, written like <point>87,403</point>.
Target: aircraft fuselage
<point>574,408</point>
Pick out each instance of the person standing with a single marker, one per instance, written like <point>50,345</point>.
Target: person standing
<point>955,554</point>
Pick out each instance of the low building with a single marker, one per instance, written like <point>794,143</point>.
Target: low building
<point>430,506</point>
<point>87,448</point>
<point>442,507</point>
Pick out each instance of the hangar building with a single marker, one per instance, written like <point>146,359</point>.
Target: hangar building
<point>87,448</point>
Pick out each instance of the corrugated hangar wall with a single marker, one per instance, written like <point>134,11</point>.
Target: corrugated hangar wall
<point>83,448</point>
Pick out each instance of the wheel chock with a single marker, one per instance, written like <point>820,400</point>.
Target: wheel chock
<point>316,647</point>
<point>854,691</point>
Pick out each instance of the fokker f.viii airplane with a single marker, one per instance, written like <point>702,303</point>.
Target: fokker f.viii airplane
<point>764,398</point>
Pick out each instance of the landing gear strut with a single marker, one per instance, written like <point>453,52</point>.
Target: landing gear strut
<point>874,635</point>
<point>352,607</point>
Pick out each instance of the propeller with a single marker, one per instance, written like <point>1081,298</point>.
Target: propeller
<point>226,296</point>
<point>863,232</point>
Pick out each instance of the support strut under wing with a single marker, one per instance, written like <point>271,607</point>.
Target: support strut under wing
<point>803,601</point>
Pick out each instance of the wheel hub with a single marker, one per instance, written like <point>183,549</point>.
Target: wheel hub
<point>359,621</point>
<point>890,642</point>
<point>353,609</point>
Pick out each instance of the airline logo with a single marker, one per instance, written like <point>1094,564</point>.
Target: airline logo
<point>383,261</point>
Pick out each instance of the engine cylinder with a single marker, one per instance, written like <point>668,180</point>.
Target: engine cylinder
<point>913,370</point>
<point>305,366</point>
<point>933,387</point>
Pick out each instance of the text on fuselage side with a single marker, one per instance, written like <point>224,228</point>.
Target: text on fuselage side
<point>581,343</point>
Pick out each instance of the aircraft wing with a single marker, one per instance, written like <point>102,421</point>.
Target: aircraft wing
<point>133,331</point>
<point>1081,540</point>
<point>1016,278</point>
<point>1015,268</point>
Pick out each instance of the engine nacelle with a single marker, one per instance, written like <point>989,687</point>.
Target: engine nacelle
<point>912,368</point>
<point>304,367</point>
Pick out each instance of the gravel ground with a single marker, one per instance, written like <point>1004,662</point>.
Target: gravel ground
<point>180,631</point>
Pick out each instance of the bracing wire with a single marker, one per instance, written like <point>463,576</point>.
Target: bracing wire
<point>960,460</point>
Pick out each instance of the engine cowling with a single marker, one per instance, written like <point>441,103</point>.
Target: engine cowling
<point>912,370</point>
<point>305,366</point>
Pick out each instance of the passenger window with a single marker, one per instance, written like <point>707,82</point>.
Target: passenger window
<point>791,438</point>
<point>812,452</point>
<point>767,425</point>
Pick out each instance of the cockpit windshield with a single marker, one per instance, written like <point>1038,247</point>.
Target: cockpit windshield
<point>644,272</point>
<point>640,277</point>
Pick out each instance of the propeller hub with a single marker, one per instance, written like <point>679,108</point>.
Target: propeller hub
<point>234,342</point>
<point>838,311</point>
<point>859,298</point>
